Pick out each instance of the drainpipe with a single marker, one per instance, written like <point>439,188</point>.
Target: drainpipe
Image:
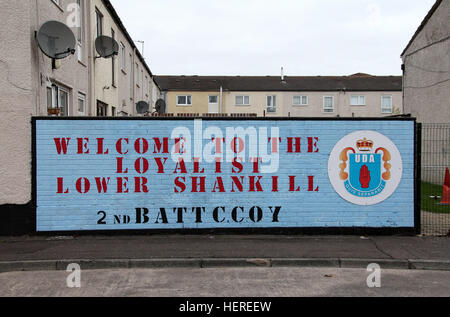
<point>220,100</point>
<point>403,84</point>
<point>91,61</point>
<point>133,106</point>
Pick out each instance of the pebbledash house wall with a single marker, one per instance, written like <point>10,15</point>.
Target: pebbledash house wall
<point>427,68</point>
<point>24,73</point>
<point>128,87</point>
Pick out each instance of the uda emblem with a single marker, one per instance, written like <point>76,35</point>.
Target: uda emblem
<point>365,168</point>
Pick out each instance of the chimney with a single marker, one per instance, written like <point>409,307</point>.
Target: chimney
<point>282,74</point>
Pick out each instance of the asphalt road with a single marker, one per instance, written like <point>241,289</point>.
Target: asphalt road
<point>227,282</point>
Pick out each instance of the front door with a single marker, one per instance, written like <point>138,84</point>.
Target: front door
<point>213,104</point>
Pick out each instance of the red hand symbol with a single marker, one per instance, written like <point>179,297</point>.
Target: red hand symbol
<point>364,177</point>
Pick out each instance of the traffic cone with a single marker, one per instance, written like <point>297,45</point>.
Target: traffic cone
<point>446,191</point>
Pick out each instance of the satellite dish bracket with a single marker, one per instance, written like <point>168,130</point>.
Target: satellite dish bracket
<point>115,54</point>
<point>69,50</point>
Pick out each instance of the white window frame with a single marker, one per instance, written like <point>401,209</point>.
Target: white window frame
<point>301,104</point>
<point>243,100</point>
<point>68,99</point>
<point>137,76</point>
<point>80,35</point>
<point>131,77</point>
<point>81,97</point>
<point>323,106</point>
<point>359,103</point>
<point>99,22</point>
<point>123,54</point>
<point>270,105</point>
<point>55,95</point>
<point>185,104</point>
<point>382,105</point>
<point>146,85</point>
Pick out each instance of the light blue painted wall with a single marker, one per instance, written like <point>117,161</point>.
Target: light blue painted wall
<point>79,212</point>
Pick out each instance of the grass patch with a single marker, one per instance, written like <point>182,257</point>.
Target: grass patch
<point>431,204</point>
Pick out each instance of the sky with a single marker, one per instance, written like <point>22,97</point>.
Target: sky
<point>258,37</point>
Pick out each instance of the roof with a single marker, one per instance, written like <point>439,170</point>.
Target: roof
<point>274,83</point>
<point>422,25</point>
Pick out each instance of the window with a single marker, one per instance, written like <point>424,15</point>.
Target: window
<point>131,77</point>
<point>184,100</point>
<point>123,56</point>
<point>50,98</point>
<point>56,2</point>
<point>64,102</point>
<point>242,100</point>
<point>300,101</point>
<point>137,75</point>
<point>99,19</point>
<point>80,30</point>
<point>213,99</point>
<point>58,97</point>
<point>271,103</point>
<point>358,100</point>
<point>113,111</point>
<point>113,61</point>
<point>146,86</point>
<point>328,104</point>
<point>81,103</point>
<point>386,104</point>
<point>101,109</point>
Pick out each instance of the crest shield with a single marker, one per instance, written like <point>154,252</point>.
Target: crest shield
<point>365,177</point>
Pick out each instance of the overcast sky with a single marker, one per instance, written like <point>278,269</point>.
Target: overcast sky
<point>258,37</point>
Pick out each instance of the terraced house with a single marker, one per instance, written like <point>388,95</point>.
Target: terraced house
<point>81,84</point>
<point>358,95</point>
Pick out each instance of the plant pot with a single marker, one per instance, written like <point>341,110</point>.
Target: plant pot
<point>53,111</point>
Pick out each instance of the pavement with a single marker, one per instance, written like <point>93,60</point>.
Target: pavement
<point>249,282</point>
<point>43,253</point>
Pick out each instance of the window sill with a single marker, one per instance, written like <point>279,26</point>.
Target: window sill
<point>300,106</point>
<point>242,105</point>
<point>358,105</point>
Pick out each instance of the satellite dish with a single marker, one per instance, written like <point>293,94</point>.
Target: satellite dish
<point>56,40</point>
<point>106,46</point>
<point>142,107</point>
<point>160,106</point>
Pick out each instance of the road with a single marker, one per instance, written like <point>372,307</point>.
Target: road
<point>227,282</point>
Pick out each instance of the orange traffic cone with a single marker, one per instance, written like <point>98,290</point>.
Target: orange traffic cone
<point>446,192</point>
